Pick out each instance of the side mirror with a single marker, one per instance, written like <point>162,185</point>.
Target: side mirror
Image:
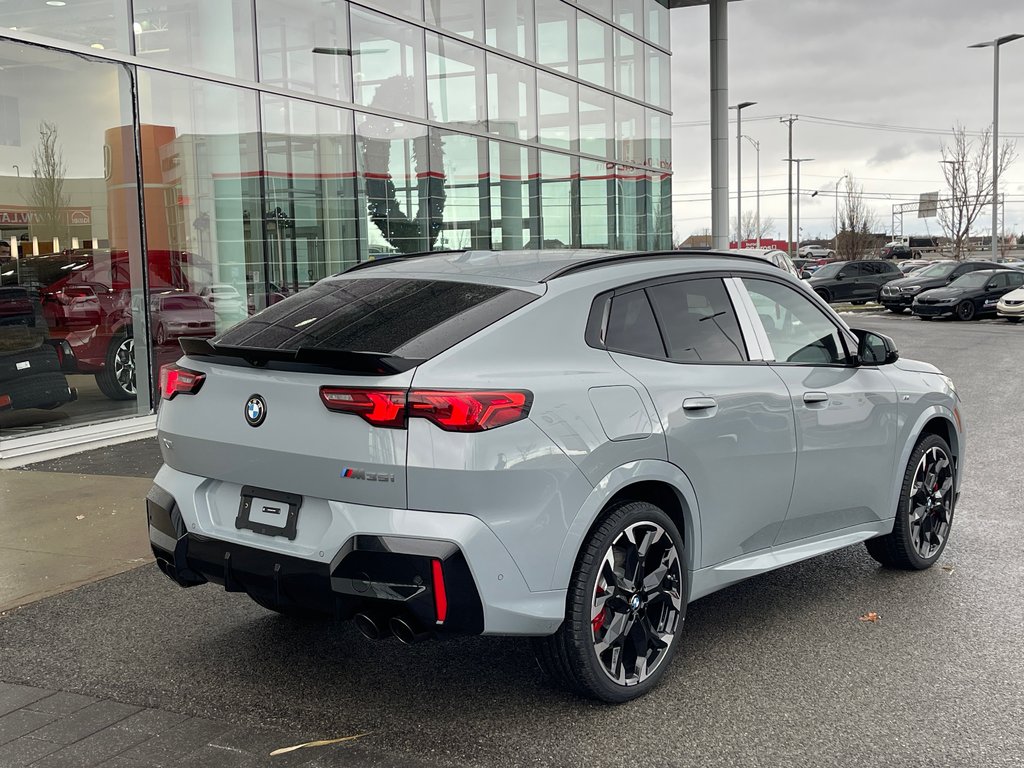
<point>840,276</point>
<point>875,348</point>
<point>991,286</point>
<point>805,275</point>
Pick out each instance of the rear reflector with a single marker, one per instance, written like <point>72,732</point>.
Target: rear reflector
<point>440,595</point>
<point>175,380</point>
<point>5,401</point>
<point>451,410</point>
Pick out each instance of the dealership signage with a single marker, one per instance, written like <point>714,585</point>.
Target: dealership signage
<point>76,217</point>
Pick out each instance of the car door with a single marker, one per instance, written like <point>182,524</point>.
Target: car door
<point>728,422</point>
<point>1000,285</point>
<point>848,281</point>
<point>846,414</point>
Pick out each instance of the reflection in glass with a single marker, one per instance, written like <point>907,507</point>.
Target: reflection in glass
<point>629,15</point>
<point>515,202</point>
<point>556,198</point>
<point>387,62</point>
<point>100,24</point>
<point>511,98</point>
<point>632,196</point>
<point>597,132</point>
<point>658,30</point>
<point>597,199</point>
<point>659,91</point>
<point>455,81</point>
<point>629,132</point>
<point>70,247</point>
<point>411,8</point>
<point>510,26</point>
<point>463,17</point>
<point>595,51</point>
<point>659,131</point>
<point>215,36</point>
<point>558,107</point>
<point>661,212</point>
<point>305,48</point>
<point>556,36</point>
<point>466,207</point>
<point>629,66</point>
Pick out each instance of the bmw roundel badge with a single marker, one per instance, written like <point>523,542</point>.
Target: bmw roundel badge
<point>255,410</point>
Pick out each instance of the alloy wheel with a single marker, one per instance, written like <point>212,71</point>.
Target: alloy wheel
<point>931,502</point>
<point>124,365</point>
<point>965,311</point>
<point>637,603</point>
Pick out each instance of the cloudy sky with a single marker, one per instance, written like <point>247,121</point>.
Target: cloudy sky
<point>885,62</point>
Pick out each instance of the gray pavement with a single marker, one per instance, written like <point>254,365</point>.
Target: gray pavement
<point>776,671</point>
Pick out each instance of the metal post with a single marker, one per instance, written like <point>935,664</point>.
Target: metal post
<point>798,161</point>
<point>835,245</point>
<point>739,168</point>
<point>719,123</point>
<point>789,160</point>
<point>995,148</point>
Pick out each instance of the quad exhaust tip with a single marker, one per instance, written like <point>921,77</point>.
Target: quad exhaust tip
<point>370,627</point>
<point>406,632</point>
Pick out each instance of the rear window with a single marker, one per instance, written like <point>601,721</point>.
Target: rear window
<point>391,316</point>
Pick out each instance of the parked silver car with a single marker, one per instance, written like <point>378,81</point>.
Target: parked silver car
<point>568,445</point>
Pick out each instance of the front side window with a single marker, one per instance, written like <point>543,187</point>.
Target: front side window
<point>698,321</point>
<point>852,270</point>
<point>798,330</point>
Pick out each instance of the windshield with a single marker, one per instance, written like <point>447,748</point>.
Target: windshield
<point>829,270</point>
<point>937,270</point>
<point>971,280</point>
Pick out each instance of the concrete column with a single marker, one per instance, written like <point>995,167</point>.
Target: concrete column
<point>720,123</point>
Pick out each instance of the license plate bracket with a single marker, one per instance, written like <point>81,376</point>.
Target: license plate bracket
<point>267,512</point>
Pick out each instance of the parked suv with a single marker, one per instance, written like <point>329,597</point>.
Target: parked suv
<point>898,295</point>
<point>967,297</point>
<point>568,445</point>
<point>855,281</point>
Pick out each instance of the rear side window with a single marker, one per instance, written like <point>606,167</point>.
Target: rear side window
<point>631,326</point>
<point>394,316</point>
<point>698,321</point>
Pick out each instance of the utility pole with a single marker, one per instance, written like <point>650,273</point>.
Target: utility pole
<point>798,161</point>
<point>757,148</point>
<point>835,244</point>
<point>789,161</point>
<point>739,169</point>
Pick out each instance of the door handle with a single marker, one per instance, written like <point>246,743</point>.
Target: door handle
<point>699,403</point>
<point>813,398</point>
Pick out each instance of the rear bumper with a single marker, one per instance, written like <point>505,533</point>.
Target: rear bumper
<point>381,562</point>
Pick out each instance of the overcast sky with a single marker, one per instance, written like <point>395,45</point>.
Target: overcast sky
<point>891,62</point>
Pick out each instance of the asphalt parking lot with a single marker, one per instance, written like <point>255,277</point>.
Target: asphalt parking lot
<point>776,671</point>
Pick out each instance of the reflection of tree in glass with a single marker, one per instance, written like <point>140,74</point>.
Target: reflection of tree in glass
<point>47,196</point>
<point>406,234</point>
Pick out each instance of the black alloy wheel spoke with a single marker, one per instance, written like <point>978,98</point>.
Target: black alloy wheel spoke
<point>930,503</point>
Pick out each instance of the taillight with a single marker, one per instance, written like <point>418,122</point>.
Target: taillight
<point>451,410</point>
<point>380,407</point>
<point>5,401</point>
<point>175,380</point>
<point>440,593</point>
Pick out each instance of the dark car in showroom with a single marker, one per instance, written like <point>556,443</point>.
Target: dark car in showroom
<point>972,295</point>
<point>898,295</point>
<point>855,281</point>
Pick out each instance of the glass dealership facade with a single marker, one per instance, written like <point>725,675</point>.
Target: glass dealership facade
<point>169,166</point>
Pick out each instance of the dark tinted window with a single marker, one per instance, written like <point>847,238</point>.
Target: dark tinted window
<point>407,318</point>
<point>1016,280</point>
<point>698,321</point>
<point>631,326</point>
<point>852,270</point>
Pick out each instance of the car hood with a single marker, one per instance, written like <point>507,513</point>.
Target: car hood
<point>1015,295</point>
<point>927,282</point>
<point>915,366</point>
<point>943,293</point>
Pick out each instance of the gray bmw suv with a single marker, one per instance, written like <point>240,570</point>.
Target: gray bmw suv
<point>567,445</point>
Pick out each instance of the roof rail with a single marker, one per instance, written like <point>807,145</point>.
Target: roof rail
<point>396,257</point>
<point>618,258</point>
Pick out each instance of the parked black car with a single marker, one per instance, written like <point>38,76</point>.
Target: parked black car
<point>855,281</point>
<point>967,297</point>
<point>898,295</point>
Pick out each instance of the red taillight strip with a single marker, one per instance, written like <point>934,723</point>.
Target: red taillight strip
<point>175,380</point>
<point>380,407</point>
<point>452,410</point>
<point>440,595</point>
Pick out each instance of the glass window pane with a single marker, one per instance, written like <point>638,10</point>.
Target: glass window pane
<point>631,203</point>
<point>411,8</point>
<point>305,48</point>
<point>463,17</point>
<point>796,328</point>
<point>309,183</point>
<point>71,262</point>
<point>659,92</point>
<point>101,24</point>
<point>404,197</point>
<point>558,118</point>
<point>387,62</point>
<point>630,132</point>
<point>659,144</point>
<point>602,8</point>
<point>658,30</point>
<point>698,321</point>
<point>661,213</point>
<point>511,98</point>
<point>629,66</point>
<point>632,328</point>
<point>597,132</point>
<point>455,82</point>
<point>556,200</point>
<point>515,206</point>
<point>597,198</point>
<point>215,35</point>
<point>510,26</point>
<point>595,51</point>
<point>556,36</point>
<point>629,15</point>
<point>466,208</point>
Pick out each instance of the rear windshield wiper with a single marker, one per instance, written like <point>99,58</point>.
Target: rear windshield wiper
<point>303,358</point>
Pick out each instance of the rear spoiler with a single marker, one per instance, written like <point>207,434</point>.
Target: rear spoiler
<point>304,358</point>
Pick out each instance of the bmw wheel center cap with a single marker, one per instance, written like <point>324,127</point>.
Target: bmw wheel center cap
<point>255,410</point>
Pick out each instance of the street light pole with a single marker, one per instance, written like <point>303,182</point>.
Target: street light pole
<point>999,41</point>
<point>739,168</point>
<point>835,244</point>
<point>757,148</point>
<point>798,161</point>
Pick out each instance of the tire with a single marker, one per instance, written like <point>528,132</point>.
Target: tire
<point>570,656</point>
<point>825,295</point>
<point>16,365</point>
<point>1013,319</point>
<point>42,390</point>
<point>965,310</point>
<point>161,335</point>
<point>117,378</point>
<point>917,542</point>
<point>291,611</point>
<point>859,302</point>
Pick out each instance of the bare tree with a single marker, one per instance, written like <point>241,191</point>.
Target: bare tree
<point>47,196</point>
<point>857,221</point>
<point>967,167</point>
<point>749,229</point>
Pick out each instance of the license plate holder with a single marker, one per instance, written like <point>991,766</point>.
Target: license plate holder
<point>270,513</point>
